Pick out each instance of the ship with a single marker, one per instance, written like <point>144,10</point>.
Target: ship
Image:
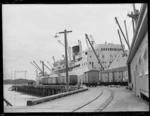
<point>81,61</point>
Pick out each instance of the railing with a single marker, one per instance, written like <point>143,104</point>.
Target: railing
<point>7,103</point>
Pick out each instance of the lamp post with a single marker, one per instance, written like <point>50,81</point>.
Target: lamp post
<point>65,39</point>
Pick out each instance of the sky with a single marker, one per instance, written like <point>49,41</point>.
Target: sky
<point>29,30</point>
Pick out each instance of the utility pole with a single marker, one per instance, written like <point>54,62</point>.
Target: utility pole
<point>66,56</point>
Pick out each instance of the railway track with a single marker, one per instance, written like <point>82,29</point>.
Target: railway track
<point>105,104</point>
<point>87,103</point>
<point>93,101</point>
<point>98,104</point>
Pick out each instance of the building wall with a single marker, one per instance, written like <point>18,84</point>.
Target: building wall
<point>106,53</point>
<point>139,69</point>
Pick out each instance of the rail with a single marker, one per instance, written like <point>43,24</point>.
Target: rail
<point>88,102</point>
<point>7,103</point>
<point>106,103</point>
<point>102,106</point>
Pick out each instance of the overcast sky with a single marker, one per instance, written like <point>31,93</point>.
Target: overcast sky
<point>28,31</point>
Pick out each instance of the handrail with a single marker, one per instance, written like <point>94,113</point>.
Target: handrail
<point>8,104</point>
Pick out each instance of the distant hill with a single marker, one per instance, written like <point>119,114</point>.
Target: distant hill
<point>17,81</point>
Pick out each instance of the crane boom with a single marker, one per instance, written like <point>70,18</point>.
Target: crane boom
<point>37,66</point>
<point>68,50</point>
<point>53,59</point>
<point>49,64</point>
<point>93,40</point>
<point>47,67</point>
<point>122,33</point>
<point>87,43</point>
<point>94,52</point>
<point>61,43</point>
<point>121,42</point>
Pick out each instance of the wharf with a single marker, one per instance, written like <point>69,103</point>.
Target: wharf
<point>41,90</point>
<point>65,104</point>
<point>96,99</point>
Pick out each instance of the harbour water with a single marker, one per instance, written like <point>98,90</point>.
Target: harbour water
<point>16,98</point>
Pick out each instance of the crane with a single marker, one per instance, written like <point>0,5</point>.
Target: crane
<point>36,66</point>
<point>122,33</point>
<point>49,64</point>
<point>36,69</point>
<point>121,42</point>
<point>53,59</point>
<point>47,67</point>
<point>61,43</point>
<point>87,44</point>
<point>92,40</point>
<point>68,49</point>
<point>63,56</point>
<point>94,52</point>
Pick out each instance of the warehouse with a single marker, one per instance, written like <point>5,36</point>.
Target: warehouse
<point>138,57</point>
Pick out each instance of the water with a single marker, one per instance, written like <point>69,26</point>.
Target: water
<point>16,98</point>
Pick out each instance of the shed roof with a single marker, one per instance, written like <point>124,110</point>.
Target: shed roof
<point>92,71</point>
<point>124,68</point>
<point>142,27</point>
<point>119,62</point>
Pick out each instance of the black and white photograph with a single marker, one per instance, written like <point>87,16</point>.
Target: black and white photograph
<point>75,58</point>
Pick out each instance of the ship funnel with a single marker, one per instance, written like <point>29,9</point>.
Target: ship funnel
<point>75,49</point>
<point>80,46</point>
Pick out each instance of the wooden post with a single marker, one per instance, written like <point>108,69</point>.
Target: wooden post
<point>66,56</point>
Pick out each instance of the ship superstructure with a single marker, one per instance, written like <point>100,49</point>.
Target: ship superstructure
<point>83,61</point>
